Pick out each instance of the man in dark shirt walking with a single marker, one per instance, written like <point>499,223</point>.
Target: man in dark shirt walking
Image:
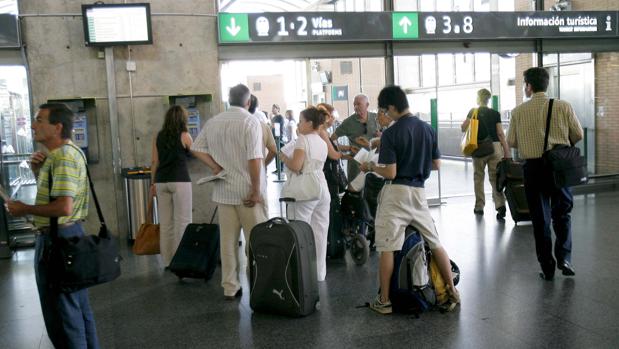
<point>408,153</point>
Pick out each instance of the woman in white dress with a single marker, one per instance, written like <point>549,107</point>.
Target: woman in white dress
<point>310,153</point>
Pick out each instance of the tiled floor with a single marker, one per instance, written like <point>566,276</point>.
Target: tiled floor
<point>504,303</point>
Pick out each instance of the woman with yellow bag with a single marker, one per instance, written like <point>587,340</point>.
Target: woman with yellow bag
<point>484,126</point>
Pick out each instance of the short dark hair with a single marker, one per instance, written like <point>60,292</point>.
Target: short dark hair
<point>253,104</point>
<point>238,95</point>
<point>314,115</point>
<point>538,78</point>
<point>393,95</point>
<point>59,113</point>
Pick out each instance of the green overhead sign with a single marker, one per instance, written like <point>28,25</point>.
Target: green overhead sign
<point>405,25</point>
<point>291,27</point>
<point>233,27</point>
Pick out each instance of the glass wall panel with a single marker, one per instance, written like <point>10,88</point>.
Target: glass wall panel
<point>427,6</point>
<point>446,76</point>
<point>444,5</point>
<point>8,6</point>
<point>252,6</point>
<point>465,68</point>
<point>463,5</point>
<point>506,6</point>
<point>428,71</point>
<point>405,5</point>
<point>482,67</point>
<point>16,135</point>
<point>507,86</point>
<point>481,5</point>
<point>407,69</point>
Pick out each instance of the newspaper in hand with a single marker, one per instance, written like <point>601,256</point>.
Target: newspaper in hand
<point>219,176</point>
<point>364,156</point>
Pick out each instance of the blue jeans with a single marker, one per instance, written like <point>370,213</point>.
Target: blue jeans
<point>68,318</point>
<point>546,204</point>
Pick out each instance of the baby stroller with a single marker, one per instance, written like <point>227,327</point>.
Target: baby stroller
<point>357,211</point>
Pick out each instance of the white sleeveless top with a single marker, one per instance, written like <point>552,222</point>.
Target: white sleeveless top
<point>315,150</point>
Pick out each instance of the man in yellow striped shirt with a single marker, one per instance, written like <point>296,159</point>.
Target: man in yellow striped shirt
<point>68,317</point>
<point>527,129</point>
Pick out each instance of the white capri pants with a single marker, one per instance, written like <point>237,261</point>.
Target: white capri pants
<point>174,207</point>
<point>316,214</point>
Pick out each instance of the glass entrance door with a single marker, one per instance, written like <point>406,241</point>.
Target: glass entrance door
<point>446,85</point>
<point>15,134</point>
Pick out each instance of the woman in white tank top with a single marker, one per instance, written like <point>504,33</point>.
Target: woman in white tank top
<point>310,154</point>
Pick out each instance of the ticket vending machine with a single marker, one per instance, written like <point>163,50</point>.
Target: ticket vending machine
<point>198,108</point>
<point>84,124</point>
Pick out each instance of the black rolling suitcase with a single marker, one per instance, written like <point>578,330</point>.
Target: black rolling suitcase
<point>198,252</point>
<point>336,245</point>
<point>282,273</point>
<point>510,176</point>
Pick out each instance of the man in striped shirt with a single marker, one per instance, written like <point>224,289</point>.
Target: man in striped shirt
<point>68,317</point>
<point>526,133</point>
<point>232,141</point>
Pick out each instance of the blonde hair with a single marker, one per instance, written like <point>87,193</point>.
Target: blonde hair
<point>483,96</point>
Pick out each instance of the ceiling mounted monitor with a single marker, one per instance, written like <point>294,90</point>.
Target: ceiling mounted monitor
<point>117,24</point>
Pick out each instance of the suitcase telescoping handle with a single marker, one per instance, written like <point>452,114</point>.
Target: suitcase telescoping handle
<point>281,207</point>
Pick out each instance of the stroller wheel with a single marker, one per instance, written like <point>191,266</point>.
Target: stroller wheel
<point>359,249</point>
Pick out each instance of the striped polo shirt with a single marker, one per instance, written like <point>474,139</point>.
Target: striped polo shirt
<point>232,138</point>
<point>68,179</point>
<point>527,126</point>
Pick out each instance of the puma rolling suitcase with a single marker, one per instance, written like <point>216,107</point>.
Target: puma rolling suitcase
<point>510,176</point>
<point>282,273</point>
<point>198,252</point>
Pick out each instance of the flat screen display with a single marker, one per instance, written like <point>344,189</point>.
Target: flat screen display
<point>117,24</point>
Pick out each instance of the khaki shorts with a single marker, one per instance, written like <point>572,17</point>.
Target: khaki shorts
<point>400,206</point>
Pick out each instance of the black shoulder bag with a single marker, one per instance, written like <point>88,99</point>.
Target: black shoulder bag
<point>563,162</point>
<point>80,262</point>
<point>335,174</point>
<point>485,147</point>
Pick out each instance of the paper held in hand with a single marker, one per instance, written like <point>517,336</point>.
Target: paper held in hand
<point>220,175</point>
<point>364,156</point>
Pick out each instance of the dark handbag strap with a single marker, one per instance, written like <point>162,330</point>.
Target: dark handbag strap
<point>54,220</point>
<point>214,213</point>
<point>550,103</point>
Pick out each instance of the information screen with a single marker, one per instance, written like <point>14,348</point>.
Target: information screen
<point>117,24</point>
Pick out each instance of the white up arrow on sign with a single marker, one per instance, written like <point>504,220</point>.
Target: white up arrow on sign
<point>233,29</point>
<point>405,23</point>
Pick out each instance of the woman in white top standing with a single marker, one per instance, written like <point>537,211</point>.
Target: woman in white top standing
<point>290,129</point>
<point>310,153</point>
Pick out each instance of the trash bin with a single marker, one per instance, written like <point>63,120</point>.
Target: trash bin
<point>137,185</point>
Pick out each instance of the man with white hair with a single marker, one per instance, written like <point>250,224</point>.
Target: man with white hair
<point>232,141</point>
<point>360,124</point>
